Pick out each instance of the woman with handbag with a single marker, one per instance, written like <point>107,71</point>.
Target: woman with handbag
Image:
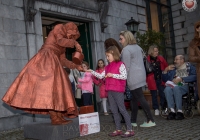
<point>154,81</point>
<point>132,57</point>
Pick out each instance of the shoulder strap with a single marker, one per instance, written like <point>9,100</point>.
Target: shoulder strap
<point>74,76</point>
<point>144,55</point>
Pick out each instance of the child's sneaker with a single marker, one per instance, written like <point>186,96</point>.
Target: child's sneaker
<point>129,133</point>
<point>149,124</point>
<point>115,133</point>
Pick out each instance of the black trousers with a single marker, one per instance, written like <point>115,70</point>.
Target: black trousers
<point>87,99</point>
<point>138,96</point>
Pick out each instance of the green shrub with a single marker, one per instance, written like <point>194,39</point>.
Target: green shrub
<point>149,38</point>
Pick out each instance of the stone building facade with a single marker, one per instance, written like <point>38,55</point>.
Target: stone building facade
<point>183,23</point>
<point>22,34</point>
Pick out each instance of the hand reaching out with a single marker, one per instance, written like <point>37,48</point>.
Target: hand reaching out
<point>78,47</point>
<point>89,70</point>
<point>79,67</point>
<point>170,67</point>
<point>109,75</point>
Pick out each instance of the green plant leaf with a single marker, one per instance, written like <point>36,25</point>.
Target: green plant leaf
<point>149,38</point>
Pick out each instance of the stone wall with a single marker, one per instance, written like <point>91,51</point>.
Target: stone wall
<point>121,11</point>
<point>21,39</point>
<point>13,56</point>
<point>13,50</point>
<point>183,23</point>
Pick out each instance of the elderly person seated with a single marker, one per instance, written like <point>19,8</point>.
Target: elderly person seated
<point>176,77</point>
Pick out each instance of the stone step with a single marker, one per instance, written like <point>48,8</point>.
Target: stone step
<point>47,131</point>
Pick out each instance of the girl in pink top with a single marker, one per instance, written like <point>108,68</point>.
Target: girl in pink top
<point>101,83</point>
<point>86,85</point>
<point>115,81</point>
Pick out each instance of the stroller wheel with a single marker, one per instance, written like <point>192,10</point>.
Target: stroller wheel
<point>164,113</point>
<point>188,114</point>
<point>198,106</point>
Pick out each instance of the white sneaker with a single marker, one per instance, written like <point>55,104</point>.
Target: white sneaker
<point>157,112</point>
<point>134,124</point>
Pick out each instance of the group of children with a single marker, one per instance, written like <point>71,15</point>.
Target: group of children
<point>84,82</point>
<point>111,80</point>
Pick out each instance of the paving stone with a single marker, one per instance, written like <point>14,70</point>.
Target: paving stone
<point>46,131</point>
<point>187,129</point>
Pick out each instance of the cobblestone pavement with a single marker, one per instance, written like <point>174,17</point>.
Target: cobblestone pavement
<point>187,129</point>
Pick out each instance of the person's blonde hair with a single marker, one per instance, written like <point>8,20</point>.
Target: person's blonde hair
<point>151,49</point>
<point>115,52</point>
<point>129,38</point>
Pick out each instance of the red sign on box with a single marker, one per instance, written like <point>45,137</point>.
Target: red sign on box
<point>83,129</point>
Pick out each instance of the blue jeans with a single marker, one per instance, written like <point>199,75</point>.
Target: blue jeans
<point>175,95</point>
<point>160,89</point>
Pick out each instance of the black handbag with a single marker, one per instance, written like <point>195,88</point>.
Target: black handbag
<point>127,93</point>
<point>147,65</point>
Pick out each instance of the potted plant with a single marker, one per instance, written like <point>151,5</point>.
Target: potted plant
<point>149,38</point>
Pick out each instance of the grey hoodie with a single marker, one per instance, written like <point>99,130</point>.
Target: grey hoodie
<point>133,59</point>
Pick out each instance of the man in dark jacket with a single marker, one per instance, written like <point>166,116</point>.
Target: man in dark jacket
<point>176,77</point>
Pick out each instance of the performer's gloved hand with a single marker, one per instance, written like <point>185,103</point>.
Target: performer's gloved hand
<point>79,68</point>
<point>78,47</point>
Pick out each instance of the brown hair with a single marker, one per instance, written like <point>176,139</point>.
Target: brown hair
<point>86,63</point>
<point>151,49</point>
<point>115,52</point>
<point>196,25</point>
<point>129,38</point>
<point>98,63</point>
<point>112,42</point>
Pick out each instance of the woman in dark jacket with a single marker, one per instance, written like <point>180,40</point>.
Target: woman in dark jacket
<point>194,53</point>
<point>154,81</point>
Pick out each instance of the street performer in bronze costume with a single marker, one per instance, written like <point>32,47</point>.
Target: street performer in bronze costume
<point>43,86</point>
<point>194,55</point>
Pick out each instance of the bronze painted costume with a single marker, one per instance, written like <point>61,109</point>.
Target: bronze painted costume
<point>194,54</point>
<point>43,85</point>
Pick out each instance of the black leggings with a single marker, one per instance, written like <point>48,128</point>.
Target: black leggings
<point>87,99</point>
<point>138,96</point>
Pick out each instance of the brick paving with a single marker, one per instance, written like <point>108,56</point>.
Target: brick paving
<point>187,129</point>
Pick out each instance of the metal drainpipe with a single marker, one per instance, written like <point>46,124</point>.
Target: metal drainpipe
<point>27,43</point>
<point>25,19</point>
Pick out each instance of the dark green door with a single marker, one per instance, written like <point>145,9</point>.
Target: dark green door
<point>84,41</point>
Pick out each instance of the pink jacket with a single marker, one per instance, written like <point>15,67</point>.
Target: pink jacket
<point>86,82</point>
<point>113,84</point>
<point>103,93</point>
